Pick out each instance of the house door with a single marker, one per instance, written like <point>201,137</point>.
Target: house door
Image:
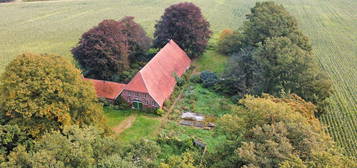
<point>137,105</point>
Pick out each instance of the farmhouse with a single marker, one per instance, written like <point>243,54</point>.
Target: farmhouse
<point>153,84</point>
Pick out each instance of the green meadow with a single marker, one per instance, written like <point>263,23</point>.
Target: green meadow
<point>56,26</point>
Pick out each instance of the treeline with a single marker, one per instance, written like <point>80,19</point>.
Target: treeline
<point>279,88</point>
<point>269,54</point>
<point>116,50</point>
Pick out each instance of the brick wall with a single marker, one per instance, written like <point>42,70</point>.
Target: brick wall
<point>144,98</point>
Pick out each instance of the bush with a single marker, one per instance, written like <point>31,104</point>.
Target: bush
<point>195,79</point>
<point>104,101</point>
<point>151,53</point>
<point>122,104</point>
<point>159,112</point>
<point>209,79</point>
<point>229,42</point>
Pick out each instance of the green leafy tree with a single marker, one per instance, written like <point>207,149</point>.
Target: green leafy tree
<point>185,24</point>
<point>11,136</point>
<point>73,147</point>
<point>291,69</point>
<point>186,160</point>
<point>143,153</point>
<point>44,92</point>
<point>229,42</point>
<point>243,75</point>
<point>273,132</point>
<point>279,58</point>
<point>268,20</point>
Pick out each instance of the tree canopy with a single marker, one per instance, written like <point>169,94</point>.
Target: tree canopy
<point>73,147</point>
<point>40,92</point>
<point>273,56</point>
<point>273,132</point>
<point>183,23</point>
<point>107,50</point>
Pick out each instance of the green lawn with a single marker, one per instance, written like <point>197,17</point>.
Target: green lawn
<point>211,61</point>
<point>56,26</point>
<point>114,117</point>
<point>143,127</point>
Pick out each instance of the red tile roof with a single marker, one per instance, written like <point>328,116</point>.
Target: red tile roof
<point>107,89</point>
<point>157,77</point>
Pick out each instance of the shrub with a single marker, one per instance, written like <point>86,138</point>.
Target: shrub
<point>122,104</point>
<point>229,42</point>
<point>159,112</point>
<point>195,79</point>
<point>209,79</point>
<point>104,101</point>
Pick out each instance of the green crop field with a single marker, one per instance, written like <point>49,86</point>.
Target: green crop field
<point>55,27</point>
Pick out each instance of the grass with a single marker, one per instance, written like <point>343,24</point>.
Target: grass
<point>201,100</point>
<point>56,26</point>
<point>114,117</point>
<point>143,127</point>
<point>211,61</point>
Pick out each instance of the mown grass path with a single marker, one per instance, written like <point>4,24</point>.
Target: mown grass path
<point>127,123</point>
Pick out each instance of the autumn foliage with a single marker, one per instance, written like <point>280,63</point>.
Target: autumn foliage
<point>184,24</point>
<point>45,92</point>
<point>108,49</point>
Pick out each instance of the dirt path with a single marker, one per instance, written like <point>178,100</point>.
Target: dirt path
<point>122,126</point>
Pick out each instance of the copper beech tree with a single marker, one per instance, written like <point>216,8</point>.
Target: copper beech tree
<point>185,24</point>
<point>108,49</point>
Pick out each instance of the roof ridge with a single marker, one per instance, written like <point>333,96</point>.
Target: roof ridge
<point>154,57</point>
<point>142,78</point>
<point>148,92</point>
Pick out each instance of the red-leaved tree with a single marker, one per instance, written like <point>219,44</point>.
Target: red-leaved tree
<point>107,50</point>
<point>183,23</point>
<point>138,41</point>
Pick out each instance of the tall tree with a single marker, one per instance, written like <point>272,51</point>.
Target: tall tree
<point>138,41</point>
<point>106,50</point>
<point>45,92</point>
<point>268,20</point>
<point>291,69</point>
<point>272,132</point>
<point>280,58</point>
<point>183,23</point>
